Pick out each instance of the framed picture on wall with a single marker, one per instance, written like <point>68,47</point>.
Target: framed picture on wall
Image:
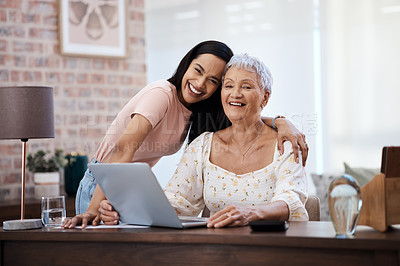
<point>93,28</point>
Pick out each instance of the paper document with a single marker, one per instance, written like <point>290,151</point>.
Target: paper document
<point>120,225</point>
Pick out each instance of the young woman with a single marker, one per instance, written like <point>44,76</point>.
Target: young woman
<point>155,121</point>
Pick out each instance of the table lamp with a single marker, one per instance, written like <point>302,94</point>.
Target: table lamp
<point>26,112</point>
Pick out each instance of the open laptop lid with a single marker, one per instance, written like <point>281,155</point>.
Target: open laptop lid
<point>136,195</point>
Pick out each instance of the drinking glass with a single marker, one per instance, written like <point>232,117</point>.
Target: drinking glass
<point>345,202</point>
<point>53,210</point>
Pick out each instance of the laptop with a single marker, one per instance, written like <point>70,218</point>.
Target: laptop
<point>134,192</point>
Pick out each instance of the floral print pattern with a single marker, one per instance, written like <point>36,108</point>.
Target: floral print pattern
<point>197,183</point>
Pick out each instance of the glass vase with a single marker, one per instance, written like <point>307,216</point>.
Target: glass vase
<point>345,202</point>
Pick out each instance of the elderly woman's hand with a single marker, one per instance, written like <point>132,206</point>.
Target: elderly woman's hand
<point>287,131</point>
<point>232,216</point>
<point>107,213</point>
<point>83,218</point>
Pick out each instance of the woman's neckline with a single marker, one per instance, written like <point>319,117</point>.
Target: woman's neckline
<point>239,175</point>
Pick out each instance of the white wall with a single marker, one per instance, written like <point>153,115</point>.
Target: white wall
<point>361,46</point>
<point>342,94</point>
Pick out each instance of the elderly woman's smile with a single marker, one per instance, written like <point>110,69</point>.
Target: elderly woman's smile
<point>239,104</point>
<point>242,96</point>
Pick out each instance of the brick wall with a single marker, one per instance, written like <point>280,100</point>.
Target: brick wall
<point>88,92</point>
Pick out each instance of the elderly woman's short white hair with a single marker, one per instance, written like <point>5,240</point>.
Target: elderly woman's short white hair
<point>252,64</point>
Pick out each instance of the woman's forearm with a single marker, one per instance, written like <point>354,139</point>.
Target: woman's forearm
<point>277,210</point>
<point>133,136</point>
<point>287,131</point>
<point>267,121</point>
<point>122,154</point>
<point>279,120</point>
<point>94,204</point>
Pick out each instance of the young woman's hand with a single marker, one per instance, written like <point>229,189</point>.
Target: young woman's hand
<point>232,216</point>
<point>83,218</point>
<point>287,131</point>
<point>107,213</point>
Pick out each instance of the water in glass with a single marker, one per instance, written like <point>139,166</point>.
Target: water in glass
<point>53,211</point>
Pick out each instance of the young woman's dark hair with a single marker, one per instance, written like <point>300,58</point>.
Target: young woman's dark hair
<point>207,115</point>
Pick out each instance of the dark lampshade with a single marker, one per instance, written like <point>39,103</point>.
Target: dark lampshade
<point>26,112</point>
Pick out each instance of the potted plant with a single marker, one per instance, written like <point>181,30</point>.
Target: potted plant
<point>46,171</point>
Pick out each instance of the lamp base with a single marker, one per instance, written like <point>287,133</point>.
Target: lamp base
<point>22,224</point>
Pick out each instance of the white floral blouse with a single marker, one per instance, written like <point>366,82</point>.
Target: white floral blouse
<point>197,183</point>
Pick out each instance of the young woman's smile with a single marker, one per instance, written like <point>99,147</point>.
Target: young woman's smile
<point>201,79</point>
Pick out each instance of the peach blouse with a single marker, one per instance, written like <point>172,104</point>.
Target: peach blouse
<point>158,102</point>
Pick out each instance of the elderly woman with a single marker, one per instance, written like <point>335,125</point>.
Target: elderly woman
<point>238,172</point>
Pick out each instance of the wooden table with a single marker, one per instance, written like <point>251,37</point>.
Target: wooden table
<point>305,243</point>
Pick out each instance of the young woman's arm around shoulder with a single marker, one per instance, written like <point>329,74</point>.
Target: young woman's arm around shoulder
<point>287,131</point>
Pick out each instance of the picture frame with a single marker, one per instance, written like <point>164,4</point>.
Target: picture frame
<point>93,28</point>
